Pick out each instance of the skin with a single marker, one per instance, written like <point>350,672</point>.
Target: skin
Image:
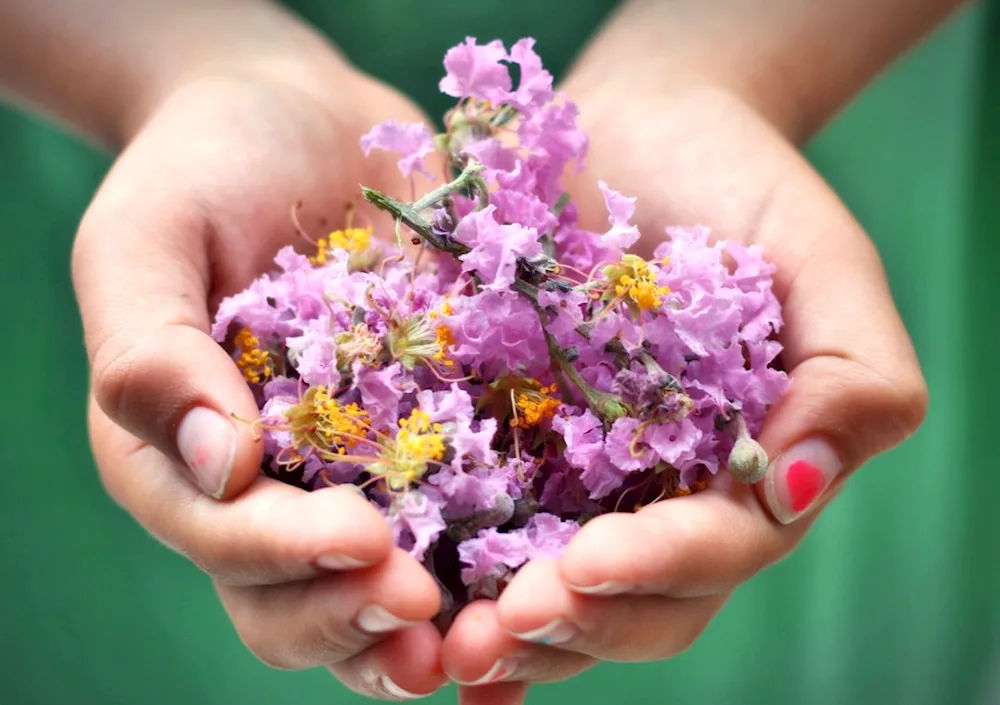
<point>259,112</point>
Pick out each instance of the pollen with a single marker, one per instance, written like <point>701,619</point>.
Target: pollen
<point>634,281</point>
<point>536,406</point>
<point>353,240</point>
<point>254,362</point>
<point>445,340</point>
<point>338,424</point>
<point>418,443</point>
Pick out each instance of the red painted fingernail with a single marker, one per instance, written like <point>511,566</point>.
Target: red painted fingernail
<point>799,477</point>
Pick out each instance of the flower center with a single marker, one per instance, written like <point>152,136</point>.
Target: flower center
<point>417,443</point>
<point>353,240</point>
<point>254,363</point>
<point>536,406</point>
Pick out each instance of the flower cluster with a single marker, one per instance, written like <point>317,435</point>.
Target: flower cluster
<point>521,374</point>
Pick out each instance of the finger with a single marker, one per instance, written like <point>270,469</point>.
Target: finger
<point>515,693</point>
<point>272,533</point>
<point>405,666</point>
<point>857,388</point>
<point>331,619</point>
<point>478,651</point>
<point>537,608</point>
<point>703,544</point>
<point>142,276</point>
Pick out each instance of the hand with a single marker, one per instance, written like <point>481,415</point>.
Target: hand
<point>643,586</point>
<point>196,207</point>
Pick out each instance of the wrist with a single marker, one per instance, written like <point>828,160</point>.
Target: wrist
<point>795,62</point>
<point>244,40</point>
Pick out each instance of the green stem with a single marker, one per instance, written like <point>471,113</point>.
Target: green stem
<point>468,177</point>
<point>607,407</point>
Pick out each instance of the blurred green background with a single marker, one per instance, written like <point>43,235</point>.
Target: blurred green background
<point>891,599</point>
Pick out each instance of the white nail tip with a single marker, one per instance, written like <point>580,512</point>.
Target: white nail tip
<point>557,632</point>
<point>611,587</point>
<point>338,561</point>
<point>377,620</point>
<point>502,665</point>
<point>390,687</point>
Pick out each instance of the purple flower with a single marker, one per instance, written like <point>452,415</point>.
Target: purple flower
<point>535,87</point>
<point>524,209</point>
<point>416,521</point>
<point>584,437</point>
<point>497,332</point>
<point>622,234</point>
<point>314,354</point>
<point>548,535</point>
<point>625,450</point>
<point>474,71</point>
<point>491,552</point>
<point>381,391</point>
<point>675,443</point>
<point>495,247</point>
<point>412,140</point>
<point>466,493</point>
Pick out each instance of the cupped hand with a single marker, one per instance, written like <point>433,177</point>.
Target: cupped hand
<point>196,206</point>
<point>643,586</point>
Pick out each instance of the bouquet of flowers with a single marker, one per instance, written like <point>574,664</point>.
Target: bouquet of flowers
<point>499,375</point>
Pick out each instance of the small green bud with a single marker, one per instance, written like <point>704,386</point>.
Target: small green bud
<point>748,461</point>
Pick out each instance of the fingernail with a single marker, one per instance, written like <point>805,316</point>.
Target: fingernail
<point>611,587</point>
<point>207,443</point>
<point>390,687</point>
<point>552,634</point>
<point>338,561</point>
<point>799,477</point>
<point>377,620</point>
<point>500,670</point>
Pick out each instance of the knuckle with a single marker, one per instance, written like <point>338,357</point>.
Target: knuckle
<point>112,371</point>
<point>911,399</point>
<point>337,643</point>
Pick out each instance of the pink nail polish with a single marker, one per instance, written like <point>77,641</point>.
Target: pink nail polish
<point>206,441</point>
<point>799,477</point>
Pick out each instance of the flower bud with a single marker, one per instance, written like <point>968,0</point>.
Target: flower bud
<point>748,460</point>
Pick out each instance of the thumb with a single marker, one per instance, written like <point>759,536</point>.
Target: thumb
<point>142,276</point>
<point>857,389</point>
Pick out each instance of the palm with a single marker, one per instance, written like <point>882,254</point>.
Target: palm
<point>193,211</point>
<point>243,154</point>
<point>702,158</point>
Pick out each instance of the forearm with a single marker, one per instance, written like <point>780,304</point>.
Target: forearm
<point>795,61</point>
<point>99,66</point>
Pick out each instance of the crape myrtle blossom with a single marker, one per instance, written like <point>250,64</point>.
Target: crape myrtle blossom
<point>521,375</point>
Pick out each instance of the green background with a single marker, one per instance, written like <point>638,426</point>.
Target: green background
<point>891,599</point>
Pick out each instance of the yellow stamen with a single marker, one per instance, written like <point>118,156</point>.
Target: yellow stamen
<point>634,280</point>
<point>336,423</point>
<point>353,240</point>
<point>534,407</point>
<point>444,340</point>
<point>417,443</point>
<point>254,363</point>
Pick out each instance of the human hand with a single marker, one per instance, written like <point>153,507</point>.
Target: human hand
<point>195,208</point>
<point>643,586</point>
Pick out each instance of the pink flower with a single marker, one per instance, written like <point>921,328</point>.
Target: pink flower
<point>413,141</point>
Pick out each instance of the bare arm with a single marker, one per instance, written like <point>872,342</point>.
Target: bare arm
<point>795,61</point>
<point>100,66</point>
